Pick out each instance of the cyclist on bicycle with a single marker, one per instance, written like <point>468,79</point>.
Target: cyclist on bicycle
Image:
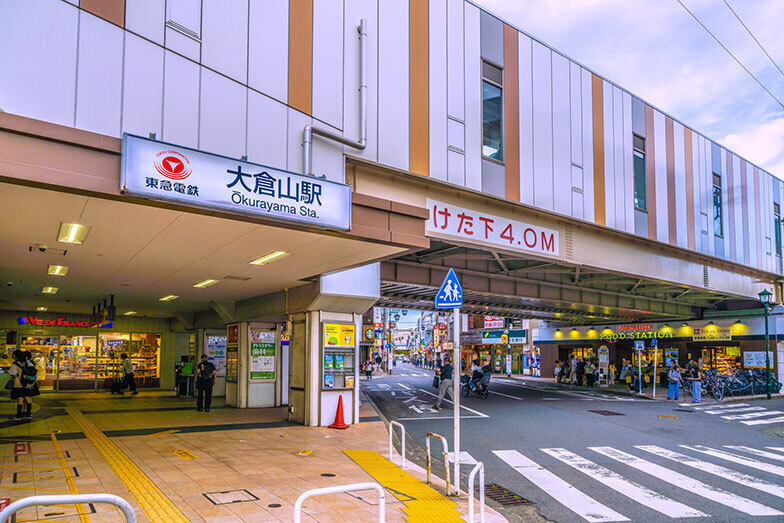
<point>487,370</point>
<point>476,375</point>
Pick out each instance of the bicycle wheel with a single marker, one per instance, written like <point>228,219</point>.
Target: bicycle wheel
<point>465,390</point>
<point>483,393</point>
<point>718,392</point>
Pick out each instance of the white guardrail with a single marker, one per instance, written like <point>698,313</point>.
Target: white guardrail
<point>392,424</point>
<point>446,458</point>
<point>69,499</point>
<point>479,467</point>
<point>337,489</point>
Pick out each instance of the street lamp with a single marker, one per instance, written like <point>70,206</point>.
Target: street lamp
<point>764,298</point>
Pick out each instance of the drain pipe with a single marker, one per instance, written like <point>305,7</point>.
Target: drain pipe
<point>307,135</point>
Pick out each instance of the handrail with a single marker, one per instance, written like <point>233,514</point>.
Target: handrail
<point>69,499</point>
<point>337,489</point>
<point>479,467</point>
<point>402,439</point>
<point>446,458</point>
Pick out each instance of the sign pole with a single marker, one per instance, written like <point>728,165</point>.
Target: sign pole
<point>639,369</point>
<point>655,360</point>
<point>456,385</point>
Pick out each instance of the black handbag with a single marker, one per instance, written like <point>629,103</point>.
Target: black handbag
<point>436,381</point>
<point>9,384</point>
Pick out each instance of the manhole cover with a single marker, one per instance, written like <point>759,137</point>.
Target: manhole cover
<point>504,496</point>
<point>607,413</point>
<point>230,496</point>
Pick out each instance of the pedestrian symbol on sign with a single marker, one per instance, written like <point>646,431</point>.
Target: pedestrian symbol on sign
<point>450,295</point>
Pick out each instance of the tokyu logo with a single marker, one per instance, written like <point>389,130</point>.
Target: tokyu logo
<point>172,165</point>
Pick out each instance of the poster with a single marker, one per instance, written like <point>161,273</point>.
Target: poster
<point>232,365</point>
<point>670,356</point>
<point>329,381</point>
<point>339,335</point>
<point>349,382</point>
<point>232,334</point>
<point>338,361</point>
<point>328,361</point>
<point>756,359</point>
<point>216,353</point>
<point>262,354</point>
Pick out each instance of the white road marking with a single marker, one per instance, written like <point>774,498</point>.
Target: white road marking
<point>404,386</point>
<point>734,411</point>
<point>628,488</point>
<point>688,484</point>
<point>741,460</point>
<point>427,418</point>
<point>714,406</point>
<point>718,470</point>
<point>465,458</point>
<point>752,415</point>
<point>505,395</point>
<point>552,399</point>
<point>778,449</point>
<point>757,452</point>
<point>573,499</point>
<point>770,421</point>
<point>461,406</point>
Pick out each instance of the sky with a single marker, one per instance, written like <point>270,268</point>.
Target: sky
<point>657,51</point>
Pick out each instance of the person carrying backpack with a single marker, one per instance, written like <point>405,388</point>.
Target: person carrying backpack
<point>128,378</point>
<point>25,383</point>
<point>205,379</point>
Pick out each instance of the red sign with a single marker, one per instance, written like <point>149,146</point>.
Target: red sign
<point>494,322</point>
<point>634,327</point>
<point>22,447</point>
<point>172,164</point>
<point>59,322</point>
<point>232,334</point>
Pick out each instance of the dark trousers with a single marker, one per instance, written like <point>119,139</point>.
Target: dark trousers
<point>129,382</point>
<point>204,396</point>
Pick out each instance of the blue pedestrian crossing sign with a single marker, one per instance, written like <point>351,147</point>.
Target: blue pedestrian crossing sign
<point>450,295</point>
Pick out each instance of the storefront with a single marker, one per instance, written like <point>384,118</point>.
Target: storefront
<point>500,345</point>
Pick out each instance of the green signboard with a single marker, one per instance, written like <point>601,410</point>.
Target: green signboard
<point>262,355</point>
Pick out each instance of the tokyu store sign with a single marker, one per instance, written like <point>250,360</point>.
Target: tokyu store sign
<point>161,171</point>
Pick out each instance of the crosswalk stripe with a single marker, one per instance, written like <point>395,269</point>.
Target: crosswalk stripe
<point>691,485</point>
<point>718,470</point>
<point>752,415</point>
<point>761,453</point>
<point>575,500</point>
<point>769,421</point>
<point>741,460</point>
<point>711,407</point>
<point>733,411</point>
<point>777,449</point>
<point>628,488</point>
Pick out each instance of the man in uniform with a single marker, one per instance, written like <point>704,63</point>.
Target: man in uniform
<point>205,379</point>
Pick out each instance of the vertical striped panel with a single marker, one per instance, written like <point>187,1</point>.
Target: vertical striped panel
<point>562,168</point>
<point>543,126</point>
<point>707,172</point>
<point>745,213</point>
<point>650,171</point>
<point>575,113</point>
<point>752,209</point>
<point>730,225</point>
<point>393,115</point>
<point>418,88</point>
<point>437,89</point>
<point>455,59</point>
<point>660,177</point>
<point>588,150</point>
<point>725,203</point>
<point>328,54</point>
<point>301,55</point>
<point>737,177</point>
<point>355,10</point>
<point>679,163</point>
<point>672,229</point>
<point>511,115</point>
<point>473,99</point>
<point>525,86</point>
<point>757,208</point>
<point>609,154</point>
<point>597,106</point>
<point>628,163</point>
<point>690,159</point>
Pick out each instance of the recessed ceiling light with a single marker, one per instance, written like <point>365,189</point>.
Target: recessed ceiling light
<point>271,257</point>
<point>73,233</point>
<point>130,313</point>
<point>42,309</point>
<point>57,270</point>
<point>49,290</point>
<point>170,297</point>
<point>205,283</point>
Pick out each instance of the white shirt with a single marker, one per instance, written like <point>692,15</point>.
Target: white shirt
<point>127,366</point>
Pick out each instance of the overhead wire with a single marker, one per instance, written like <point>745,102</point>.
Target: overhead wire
<point>754,37</point>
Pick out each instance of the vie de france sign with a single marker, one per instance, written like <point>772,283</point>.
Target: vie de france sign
<point>161,171</point>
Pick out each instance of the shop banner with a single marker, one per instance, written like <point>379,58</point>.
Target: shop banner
<point>216,354</point>
<point>756,359</point>
<point>712,333</point>
<point>262,355</point>
<point>514,337</point>
<point>161,171</point>
<point>494,322</point>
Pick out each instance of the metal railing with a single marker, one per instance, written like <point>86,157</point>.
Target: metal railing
<point>69,499</point>
<point>402,440</point>
<point>337,489</point>
<point>446,458</point>
<point>479,467</point>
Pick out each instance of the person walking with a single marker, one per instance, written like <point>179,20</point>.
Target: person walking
<point>205,379</point>
<point>611,374</point>
<point>368,368</point>
<point>445,373</point>
<point>696,383</point>
<point>674,380</point>
<point>25,384</point>
<point>580,371</point>
<point>573,369</point>
<point>128,379</point>
<point>590,373</point>
<point>557,371</point>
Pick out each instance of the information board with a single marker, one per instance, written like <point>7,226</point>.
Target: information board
<point>262,354</point>
<point>756,359</point>
<point>216,353</point>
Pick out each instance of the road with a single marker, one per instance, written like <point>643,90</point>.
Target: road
<point>596,456</point>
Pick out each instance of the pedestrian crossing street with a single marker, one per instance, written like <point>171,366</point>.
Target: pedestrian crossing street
<point>740,412</point>
<point>727,467</point>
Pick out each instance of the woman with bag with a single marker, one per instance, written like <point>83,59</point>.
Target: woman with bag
<point>24,384</point>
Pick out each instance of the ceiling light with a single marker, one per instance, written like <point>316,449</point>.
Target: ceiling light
<point>170,297</point>
<point>205,283</point>
<point>73,233</point>
<point>57,270</point>
<point>130,313</point>
<point>42,309</point>
<point>49,290</point>
<point>273,256</point>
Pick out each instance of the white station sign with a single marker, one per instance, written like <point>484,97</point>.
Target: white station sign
<point>161,171</point>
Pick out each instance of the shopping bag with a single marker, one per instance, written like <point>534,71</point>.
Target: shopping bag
<point>628,379</point>
<point>436,381</point>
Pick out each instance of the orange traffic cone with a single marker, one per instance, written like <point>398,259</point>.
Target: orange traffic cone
<point>339,422</point>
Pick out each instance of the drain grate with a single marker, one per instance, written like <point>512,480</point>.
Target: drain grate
<point>503,496</point>
<point>607,413</point>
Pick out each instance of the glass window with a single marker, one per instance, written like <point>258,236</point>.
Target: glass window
<point>492,132</point>
<point>777,227</point>
<point>110,346</point>
<point>144,353</point>
<point>77,362</point>
<point>718,226</point>
<point>640,194</point>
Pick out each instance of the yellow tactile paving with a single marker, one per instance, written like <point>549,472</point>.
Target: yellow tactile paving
<point>68,477</point>
<point>148,496</point>
<point>422,502</point>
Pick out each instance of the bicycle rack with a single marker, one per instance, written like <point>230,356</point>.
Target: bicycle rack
<point>446,458</point>
<point>402,439</point>
<point>336,490</point>
<point>69,499</point>
<point>479,467</point>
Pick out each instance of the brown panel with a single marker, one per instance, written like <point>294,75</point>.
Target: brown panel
<point>758,225</point>
<point>689,186</point>
<point>729,226</point>
<point>650,172</point>
<point>301,55</point>
<point>110,10</point>
<point>418,88</point>
<point>511,115</point>
<point>598,150</point>
<point>671,218</point>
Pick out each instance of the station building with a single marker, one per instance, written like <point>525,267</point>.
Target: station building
<point>246,179</point>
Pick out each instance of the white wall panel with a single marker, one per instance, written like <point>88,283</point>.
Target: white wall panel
<point>725,199</point>
<point>473,99</point>
<point>297,122</point>
<point>618,160</point>
<point>142,106</point>
<point>543,126</point>
<point>223,109</point>
<point>525,90</point>
<point>681,224</point>
<point>660,180</point>
<point>697,187</point>
<point>456,135</point>
<point>224,38</point>
<point>609,154</point>
<point>707,171</point>
<point>267,131</point>
<point>587,127</point>
<point>437,86</point>
<point>268,48</point>
<point>328,158</point>
<point>578,210</point>
<point>99,76</point>
<point>562,155</point>
<point>146,18</point>
<point>184,45</point>
<point>393,84</point>
<point>575,112</point>
<point>752,232</point>
<point>455,167</point>
<point>455,62</point>
<point>355,11</point>
<point>180,101</point>
<point>37,43</point>
<point>628,164</point>
<point>328,61</point>
<point>737,181</point>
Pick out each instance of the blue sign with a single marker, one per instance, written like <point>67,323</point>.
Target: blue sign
<point>654,342</point>
<point>450,295</point>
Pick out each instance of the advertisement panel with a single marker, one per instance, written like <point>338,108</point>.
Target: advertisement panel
<point>756,359</point>
<point>262,354</point>
<point>494,322</point>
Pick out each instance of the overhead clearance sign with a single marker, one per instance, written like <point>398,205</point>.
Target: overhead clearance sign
<point>161,171</point>
<point>480,227</point>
